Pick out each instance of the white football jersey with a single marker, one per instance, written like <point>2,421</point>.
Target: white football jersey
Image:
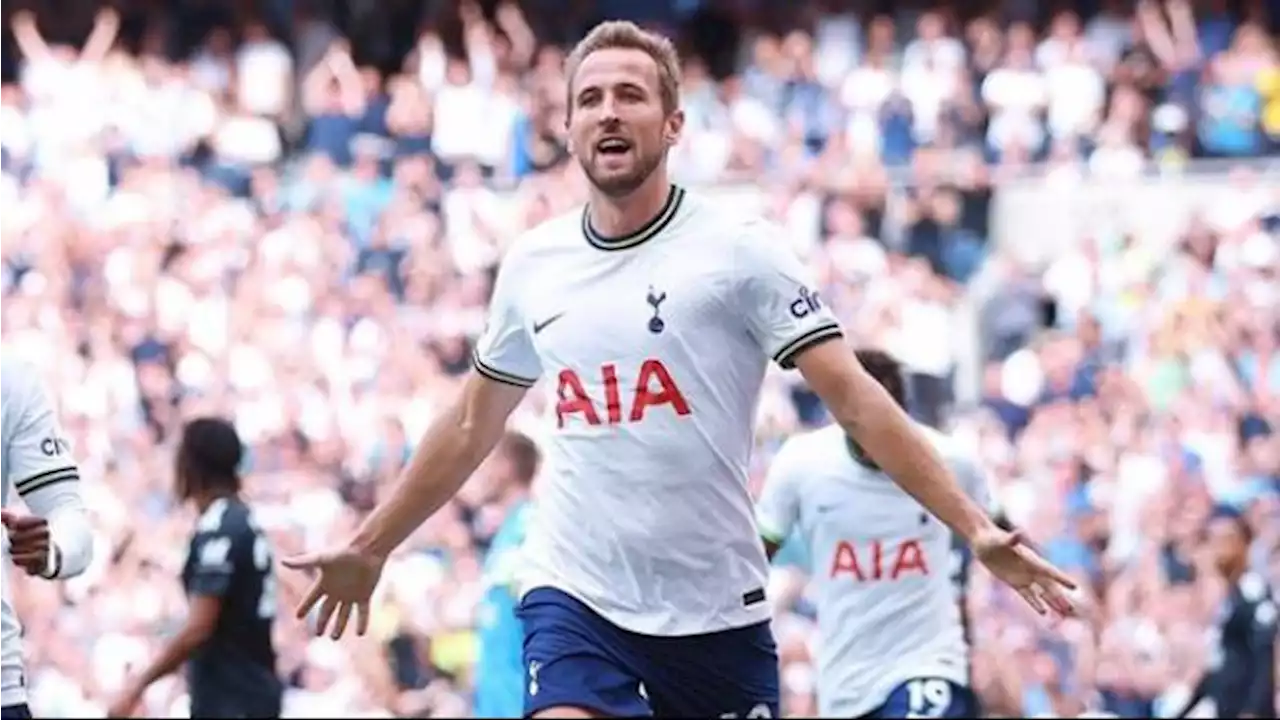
<point>656,345</point>
<point>37,461</point>
<point>887,612</point>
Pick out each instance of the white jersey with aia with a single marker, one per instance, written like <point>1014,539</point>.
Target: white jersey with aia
<point>656,345</point>
<point>38,466</point>
<point>887,611</point>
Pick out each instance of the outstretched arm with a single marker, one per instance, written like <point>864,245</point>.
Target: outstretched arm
<point>870,416</point>
<point>791,323</point>
<point>505,367</point>
<point>874,420</point>
<point>458,441</point>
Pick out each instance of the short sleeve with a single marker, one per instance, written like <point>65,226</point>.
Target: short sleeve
<point>778,509</point>
<point>1264,617</point>
<point>785,313</point>
<point>505,352</point>
<point>211,564</point>
<point>38,454</point>
<point>973,479</point>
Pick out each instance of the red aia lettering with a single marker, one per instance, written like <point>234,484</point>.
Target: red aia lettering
<point>654,387</point>
<point>878,562</point>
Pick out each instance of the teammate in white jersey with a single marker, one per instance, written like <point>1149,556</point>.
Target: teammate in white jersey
<point>55,541</point>
<point>654,313</point>
<point>892,643</point>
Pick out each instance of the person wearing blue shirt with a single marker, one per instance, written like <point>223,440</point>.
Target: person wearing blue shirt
<point>499,681</point>
<point>1229,113</point>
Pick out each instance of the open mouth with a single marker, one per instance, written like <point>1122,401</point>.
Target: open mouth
<point>613,146</point>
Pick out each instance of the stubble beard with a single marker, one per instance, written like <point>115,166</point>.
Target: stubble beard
<point>620,186</point>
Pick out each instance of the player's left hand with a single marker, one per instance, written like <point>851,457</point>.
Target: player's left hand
<point>29,542</point>
<point>1008,557</point>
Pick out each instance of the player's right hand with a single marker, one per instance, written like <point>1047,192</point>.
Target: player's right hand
<point>344,585</point>
<point>30,544</point>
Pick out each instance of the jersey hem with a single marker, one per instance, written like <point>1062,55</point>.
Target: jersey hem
<point>497,375</point>
<point>787,355</point>
<point>766,616</point>
<point>12,687</point>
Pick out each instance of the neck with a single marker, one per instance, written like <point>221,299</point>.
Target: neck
<point>860,455</point>
<point>204,500</point>
<point>620,216</point>
<point>1234,573</point>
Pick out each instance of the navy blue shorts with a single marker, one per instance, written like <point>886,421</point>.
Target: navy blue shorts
<point>573,657</point>
<point>15,712</point>
<point>928,698</point>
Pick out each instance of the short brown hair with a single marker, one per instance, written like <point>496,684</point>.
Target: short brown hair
<point>886,370</point>
<point>626,35</point>
<point>522,452</point>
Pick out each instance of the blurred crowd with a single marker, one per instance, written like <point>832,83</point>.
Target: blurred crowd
<point>289,213</point>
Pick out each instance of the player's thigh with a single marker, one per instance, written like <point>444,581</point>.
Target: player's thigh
<point>17,711</point>
<point>729,674</point>
<point>929,697</point>
<point>577,664</point>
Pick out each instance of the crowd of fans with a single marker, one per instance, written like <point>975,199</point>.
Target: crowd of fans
<point>293,220</point>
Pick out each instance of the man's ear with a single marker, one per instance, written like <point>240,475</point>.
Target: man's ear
<point>674,128</point>
<point>568,141</point>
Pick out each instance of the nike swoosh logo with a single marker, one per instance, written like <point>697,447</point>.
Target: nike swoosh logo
<point>539,327</point>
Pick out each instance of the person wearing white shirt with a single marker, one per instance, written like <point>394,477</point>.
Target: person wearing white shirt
<point>655,313</point>
<point>55,541</point>
<point>264,73</point>
<point>893,641</point>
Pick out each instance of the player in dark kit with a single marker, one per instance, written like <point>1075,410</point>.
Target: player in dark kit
<point>229,580</point>
<point>1240,679</point>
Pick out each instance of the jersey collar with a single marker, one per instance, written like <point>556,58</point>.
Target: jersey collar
<point>859,455</point>
<point>646,232</point>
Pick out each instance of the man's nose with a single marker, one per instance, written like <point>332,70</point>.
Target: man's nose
<point>608,111</point>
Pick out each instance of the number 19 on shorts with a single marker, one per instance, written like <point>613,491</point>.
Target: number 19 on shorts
<point>929,698</point>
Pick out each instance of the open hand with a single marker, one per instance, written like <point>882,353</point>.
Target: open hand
<point>344,586</point>
<point>1041,584</point>
<point>29,541</point>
